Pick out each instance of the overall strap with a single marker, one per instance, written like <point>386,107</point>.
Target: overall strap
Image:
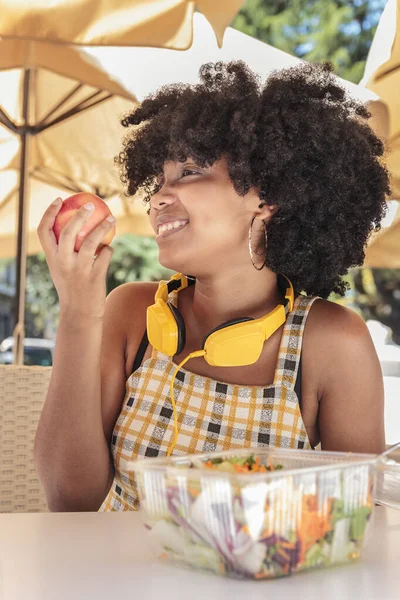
<point>292,339</point>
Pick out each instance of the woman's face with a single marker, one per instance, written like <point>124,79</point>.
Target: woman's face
<point>201,223</point>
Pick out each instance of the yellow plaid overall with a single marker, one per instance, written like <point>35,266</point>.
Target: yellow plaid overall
<point>212,415</point>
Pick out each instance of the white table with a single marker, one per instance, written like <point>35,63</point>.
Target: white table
<point>99,556</point>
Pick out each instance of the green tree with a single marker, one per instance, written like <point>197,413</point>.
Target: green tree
<point>340,31</point>
<point>41,297</point>
<point>135,258</point>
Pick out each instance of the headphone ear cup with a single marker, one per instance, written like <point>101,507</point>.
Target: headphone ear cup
<point>181,327</point>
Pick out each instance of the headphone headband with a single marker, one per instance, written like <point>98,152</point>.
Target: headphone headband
<point>179,282</point>
<point>286,289</point>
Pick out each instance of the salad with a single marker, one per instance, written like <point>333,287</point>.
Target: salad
<point>259,527</point>
<point>248,464</point>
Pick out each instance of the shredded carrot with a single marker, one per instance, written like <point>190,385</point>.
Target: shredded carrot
<point>258,468</point>
<point>313,525</point>
<point>262,575</point>
<point>240,468</point>
<point>289,545</point>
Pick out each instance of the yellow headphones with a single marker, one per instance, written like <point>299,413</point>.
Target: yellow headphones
<point>234,343</point>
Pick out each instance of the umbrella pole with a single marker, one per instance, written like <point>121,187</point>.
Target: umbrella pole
<point>20,291</point>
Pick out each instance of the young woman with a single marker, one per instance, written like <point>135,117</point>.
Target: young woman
<point>249,187</point>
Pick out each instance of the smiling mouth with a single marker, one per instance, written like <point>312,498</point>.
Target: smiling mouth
<point>170,228</point>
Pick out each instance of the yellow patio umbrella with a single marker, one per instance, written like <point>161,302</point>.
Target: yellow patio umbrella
<point>40,48</point>
<point>74,136</point>
<point>158,23</point>
<point>56,133</point>
<point>382,76</point>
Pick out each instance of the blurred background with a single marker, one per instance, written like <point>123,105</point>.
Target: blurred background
<point>65,157</point>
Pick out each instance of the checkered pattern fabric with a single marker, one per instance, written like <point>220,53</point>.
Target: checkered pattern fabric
<point>212,416</point>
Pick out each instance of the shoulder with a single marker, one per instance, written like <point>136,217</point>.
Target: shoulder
<point>126,305</point>
<point>125,319</point>
<point>132,295</point>
<point>349,380</point>
<point>338,341</point>
<point>330,322</point>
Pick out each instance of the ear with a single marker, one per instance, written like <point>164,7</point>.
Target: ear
<point>265,212</point>
<point>259,208</point>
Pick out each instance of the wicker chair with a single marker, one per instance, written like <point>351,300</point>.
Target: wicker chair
<point>22,394</point>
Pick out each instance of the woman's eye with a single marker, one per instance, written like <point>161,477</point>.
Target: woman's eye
<point>187,172</point>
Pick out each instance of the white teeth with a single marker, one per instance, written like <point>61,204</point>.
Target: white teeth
<point>170,226</point>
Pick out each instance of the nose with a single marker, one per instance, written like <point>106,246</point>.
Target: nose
<point>164,197</point>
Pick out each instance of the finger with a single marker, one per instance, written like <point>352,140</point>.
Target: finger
<point>72,228</point>
<point>45,232</point>
<point>94,239</point>
<point>102,262</point>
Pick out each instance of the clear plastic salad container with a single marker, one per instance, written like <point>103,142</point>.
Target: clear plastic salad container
<point>258,513</point>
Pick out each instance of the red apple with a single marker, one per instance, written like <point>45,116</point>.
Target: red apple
<point>71,205</point>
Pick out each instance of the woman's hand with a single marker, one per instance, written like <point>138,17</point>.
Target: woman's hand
<point>79,278</point>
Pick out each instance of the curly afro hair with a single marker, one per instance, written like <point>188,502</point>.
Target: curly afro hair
<point>299,140</point>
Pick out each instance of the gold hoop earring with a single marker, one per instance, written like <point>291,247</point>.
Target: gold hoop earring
<point>251,245</point>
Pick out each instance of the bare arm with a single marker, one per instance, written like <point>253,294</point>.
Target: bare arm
<point>71,451</point>
<point>351,408</point>
<point>88,393</point>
